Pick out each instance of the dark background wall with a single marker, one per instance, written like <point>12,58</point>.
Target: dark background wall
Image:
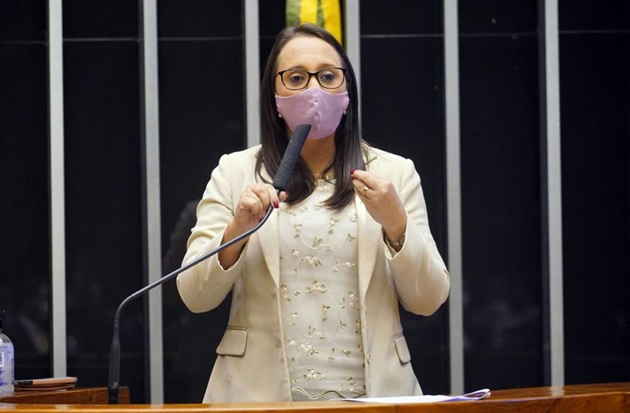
<point>501,194</point>
<point>103,185</point>
<point>595,87</point>
<point>24,242</point>
<point>202,104</point>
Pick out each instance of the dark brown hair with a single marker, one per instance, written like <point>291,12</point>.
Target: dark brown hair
<point>349,149</point>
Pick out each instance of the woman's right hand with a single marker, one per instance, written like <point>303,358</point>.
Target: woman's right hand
<point>251,208</point>
<point>253,204</point>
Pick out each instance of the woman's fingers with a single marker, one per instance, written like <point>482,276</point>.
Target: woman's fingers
<point>369,186</point>
<point>254,202</point>
<point>381,200</point>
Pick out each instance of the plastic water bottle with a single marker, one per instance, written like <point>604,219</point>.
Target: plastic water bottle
<point>7,364</point>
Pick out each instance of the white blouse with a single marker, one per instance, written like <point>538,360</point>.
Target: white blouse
<point>320,298</point>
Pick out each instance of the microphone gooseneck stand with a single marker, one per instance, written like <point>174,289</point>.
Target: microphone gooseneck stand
<point>113,389</point>
<point>280,182</point>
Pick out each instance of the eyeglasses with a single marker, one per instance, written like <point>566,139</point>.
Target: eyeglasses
<point>298,79</point>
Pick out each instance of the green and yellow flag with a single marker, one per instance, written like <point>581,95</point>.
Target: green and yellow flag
<point>324,13</point>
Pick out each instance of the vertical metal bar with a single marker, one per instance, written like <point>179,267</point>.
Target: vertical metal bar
<point>57,187</point>
<point>151,136</point>
<point>551,159</point>
<point>352,38</point>
<point>252,72</point>
<point>453,194</point>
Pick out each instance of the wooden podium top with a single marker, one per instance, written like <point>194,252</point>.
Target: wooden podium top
<point>86,395</point>
<point>604,397</point>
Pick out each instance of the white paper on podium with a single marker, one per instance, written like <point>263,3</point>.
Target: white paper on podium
<point>476,395</point>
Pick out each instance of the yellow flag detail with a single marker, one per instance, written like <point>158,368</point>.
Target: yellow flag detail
<point>332,18</point>
<point>324,13</point>
<point>308,12</point>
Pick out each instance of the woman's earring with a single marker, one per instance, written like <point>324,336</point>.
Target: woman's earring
<point>280,115</point>
<point>345,112</point>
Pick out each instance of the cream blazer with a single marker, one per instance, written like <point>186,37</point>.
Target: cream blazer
<point>251,365</point>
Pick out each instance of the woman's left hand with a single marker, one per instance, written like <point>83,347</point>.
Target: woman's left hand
<point>382,202</point>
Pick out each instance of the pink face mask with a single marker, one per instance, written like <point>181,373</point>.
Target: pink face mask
<point>316,107</point>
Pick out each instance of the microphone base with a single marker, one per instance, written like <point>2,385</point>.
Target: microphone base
<point>113,392</point>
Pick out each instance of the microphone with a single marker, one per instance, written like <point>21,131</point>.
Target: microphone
<point>280,182</point>
<point>290,157</point>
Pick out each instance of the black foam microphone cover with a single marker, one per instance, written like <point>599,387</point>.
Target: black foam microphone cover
<point>290,157</point>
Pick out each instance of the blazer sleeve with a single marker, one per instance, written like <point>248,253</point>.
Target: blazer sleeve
<point>204,286</point>
<point>420,275</point>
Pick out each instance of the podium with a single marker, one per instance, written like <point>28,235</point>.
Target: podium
<point>88,395</point>
<point>603,397</point>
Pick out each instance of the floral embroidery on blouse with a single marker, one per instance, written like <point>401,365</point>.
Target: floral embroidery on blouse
<point>319,298</point>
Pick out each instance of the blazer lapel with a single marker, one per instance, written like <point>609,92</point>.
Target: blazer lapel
<point>268,238</point>
<point>270,245</point>
<point>368,244</point>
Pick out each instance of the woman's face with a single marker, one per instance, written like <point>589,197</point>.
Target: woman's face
<point>311,54</point>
